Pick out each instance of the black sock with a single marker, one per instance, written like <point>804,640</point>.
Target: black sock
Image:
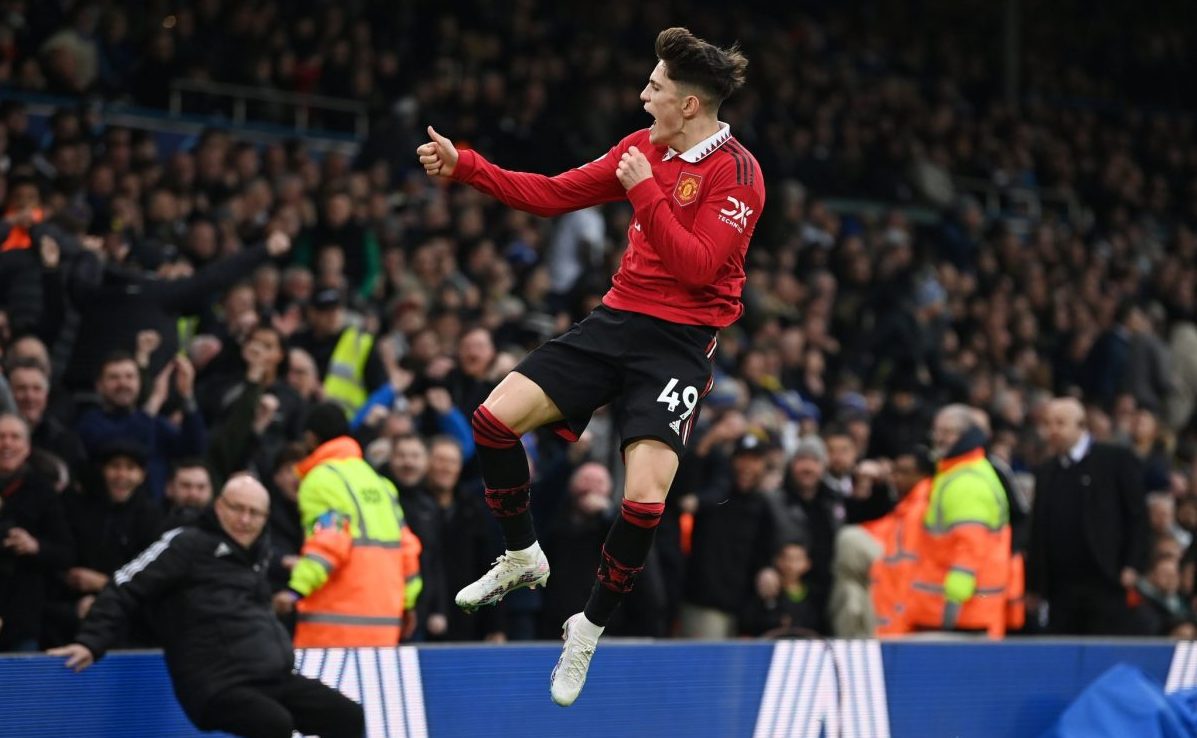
<point>623,557</point>
<point>505,475</point>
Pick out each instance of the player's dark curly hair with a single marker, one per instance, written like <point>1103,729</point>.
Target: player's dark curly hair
<point>689,60</point>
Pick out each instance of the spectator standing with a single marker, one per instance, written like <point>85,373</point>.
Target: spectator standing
<point>303,376</point>
<point>812,513</point>
<point>30,383</point>
<point>902,422</point>
<point>471,380</point>
<point>117,301</point>
<point>865,496</point>
<point>346,356</point>
<point>1149,369</point>
<point>576,247</point>
<point>189,492</point>
<point>408,469</point>
<point>111,521</point>
<point>35,541</point>
<point>1106,365</point>
<point>781,604</point>
<point>118,417</point>
<point>573,538</point>
<point>286,529</point>
<point>851,609</point>
<point>732,541</point>
<point>1163,607</point>
<point>22,229</point>
<point>1088,528</point>
<point>257,412</point>
<point>339,236</point>
<point>572,541</point>
<point>465,538</point>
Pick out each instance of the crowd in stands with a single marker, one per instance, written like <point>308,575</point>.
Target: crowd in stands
<point>167,316</point>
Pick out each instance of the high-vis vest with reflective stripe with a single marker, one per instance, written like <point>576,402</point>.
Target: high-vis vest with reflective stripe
<point>359,567</point>
<point>964,561</point>
<point>187,327</point>
<point>345,378</point>
<point>900,534</point>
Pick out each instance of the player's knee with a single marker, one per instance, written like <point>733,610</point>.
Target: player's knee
<point>491,432</point>
<point>642,514</point>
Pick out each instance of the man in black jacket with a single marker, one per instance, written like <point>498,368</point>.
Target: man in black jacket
<point>30,382</point>
<point>1088,528</point>
<point>111,521</point>
<point>117,301</point>
<point>812,513</point>
<point>462,538</point>
<point>230,660</point>
<point>732,541</point>
<point>35,542</point>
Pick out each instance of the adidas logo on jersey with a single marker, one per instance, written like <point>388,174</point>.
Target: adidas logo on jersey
<point>676,426</point>
<point>223,549</point>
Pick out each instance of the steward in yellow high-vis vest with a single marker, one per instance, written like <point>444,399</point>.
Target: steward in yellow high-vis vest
<point>344,353</point>
<point>358,574</point>
<point>962,578</point>
<point>345,378</point>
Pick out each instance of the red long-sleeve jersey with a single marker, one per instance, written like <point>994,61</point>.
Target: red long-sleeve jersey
<point>693,221</point>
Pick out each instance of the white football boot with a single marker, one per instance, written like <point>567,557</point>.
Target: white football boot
<point>511,571</point>
<point>569,675</point>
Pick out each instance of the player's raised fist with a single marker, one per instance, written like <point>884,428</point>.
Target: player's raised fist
<point>633,168</point>
<point>438,156</point>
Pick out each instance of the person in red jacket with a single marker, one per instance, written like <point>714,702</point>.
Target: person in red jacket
<point>697,194</point>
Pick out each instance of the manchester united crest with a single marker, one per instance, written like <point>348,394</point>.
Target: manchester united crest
<point>686,190</point>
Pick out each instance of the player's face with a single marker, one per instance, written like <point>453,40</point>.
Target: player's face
<point>663,102</point>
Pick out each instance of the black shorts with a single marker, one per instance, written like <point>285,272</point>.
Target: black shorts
<point>653,372</point>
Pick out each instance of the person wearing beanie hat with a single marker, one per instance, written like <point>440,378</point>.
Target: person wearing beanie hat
<point>358,575</point>
<point>811,512</point>
<point>324,422</point>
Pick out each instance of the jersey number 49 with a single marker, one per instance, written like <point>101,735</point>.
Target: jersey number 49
<point>689,398</point>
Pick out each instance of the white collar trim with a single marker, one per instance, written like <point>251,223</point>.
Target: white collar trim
<point>1081,449</point>
<point>704,148</point>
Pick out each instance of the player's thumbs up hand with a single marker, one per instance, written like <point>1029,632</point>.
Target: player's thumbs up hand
<point>439,156</point>
<point>633,168</point>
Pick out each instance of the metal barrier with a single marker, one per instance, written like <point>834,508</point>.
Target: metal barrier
<point>239,99</point>
<point>173,132</point>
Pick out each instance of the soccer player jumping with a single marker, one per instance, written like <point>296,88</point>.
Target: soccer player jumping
<point>696,194</point>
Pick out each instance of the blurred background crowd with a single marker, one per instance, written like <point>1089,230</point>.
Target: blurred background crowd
<point>168,311</point>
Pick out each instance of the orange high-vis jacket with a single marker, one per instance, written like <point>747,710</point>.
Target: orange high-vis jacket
<point>359,569</point>
<point>19,237</point>
<point>1016,593</point>
<point>962,577</point>
<point>900,534</point>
